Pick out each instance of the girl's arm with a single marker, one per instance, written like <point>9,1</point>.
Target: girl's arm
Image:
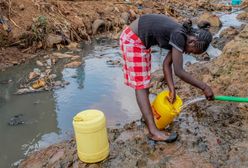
<point>182,74</point>
<point>167,69</point>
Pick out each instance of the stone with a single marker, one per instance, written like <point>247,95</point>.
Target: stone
<point>214,20</point>
<point>52,76</point>
<point>147,11</point>
<point>32,75</point>
<point>58,83</point>
<point>94,166</point>
<point>73,64</point>
<point>53,39</point>
<point>39,63</point>
<point>242,16</point>
<point>141,163</point>
<point>125,16</point>
<point>21,7</point>
<point>61,55</point>
<point>56,157</point>
<point>72,45</point>
<point>133,14</point>
<point>49,62</point>
<point>230,31</point>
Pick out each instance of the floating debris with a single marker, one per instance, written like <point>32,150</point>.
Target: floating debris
<point>16,120</point>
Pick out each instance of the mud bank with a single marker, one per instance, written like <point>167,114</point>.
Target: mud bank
<point>202,143</point>
<point>212,134</point>
<point>30,26</point>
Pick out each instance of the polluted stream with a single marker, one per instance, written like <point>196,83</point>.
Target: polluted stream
<point>36,120</point>
<point>46,117</point>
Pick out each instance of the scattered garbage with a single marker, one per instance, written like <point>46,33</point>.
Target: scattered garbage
<point>16,120</point>
<point>38,80</point>
<point>114,62</point>
<point>4,24</point>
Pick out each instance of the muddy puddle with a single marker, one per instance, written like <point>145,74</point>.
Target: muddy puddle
<point>46,118</point>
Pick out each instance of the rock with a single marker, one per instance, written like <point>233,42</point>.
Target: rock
<point>53,39</point>
<point>73,64</point>
<point>21,7</point>
<point>147,11</point>
<point>141,163</point>
<point>230,31</point>
<point>116,36</point>
<point>63,55</point>
<point>16,120</point>
<point>125,16</point>
<point>39,63</point>
<point>188,63</point>
<point>72,45</point>
<point>32,75</point>
<point>97,26</point>
<point>6,81</point>
<point>23,91</point>
<point>58,83</point>
<point>207,78</point>
<point>242,16</point>
<point>203,57</point>
<point>56,157</point>
<point>133,15</point>
<point>14,62</point>
<point>75,57</point>
<point>66,83</point>
<point>49,62</point>
<point>226,36</point>
<point>214,20</point>
<point>114,62</point>
<point>36,163</point>
<point>94,166</point>
<point>46,57</point>
<point>52,76</point>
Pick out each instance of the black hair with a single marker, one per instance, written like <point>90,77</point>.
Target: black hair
<point>202,34</point>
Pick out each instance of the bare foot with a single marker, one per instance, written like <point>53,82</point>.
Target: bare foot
<point>159,135</point>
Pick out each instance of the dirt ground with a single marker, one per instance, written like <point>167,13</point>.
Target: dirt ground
<point>211,134</point>
<point>29,26</point>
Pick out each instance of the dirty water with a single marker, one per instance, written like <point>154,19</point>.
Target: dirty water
<point>47,116</point>
<point>229,20</point>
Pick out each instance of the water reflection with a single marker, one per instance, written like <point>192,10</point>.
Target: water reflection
<point>38,112</point>
<point>48,115</point>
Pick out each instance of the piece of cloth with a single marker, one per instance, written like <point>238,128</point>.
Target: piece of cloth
<point>161,30</point>
<point>137,60</point>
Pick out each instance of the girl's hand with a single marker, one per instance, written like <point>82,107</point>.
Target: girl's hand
<point>172,96</point>
<point>208,93</point>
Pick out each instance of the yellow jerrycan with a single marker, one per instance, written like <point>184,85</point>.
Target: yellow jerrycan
<point>91,136</point>
<point>163,111</point>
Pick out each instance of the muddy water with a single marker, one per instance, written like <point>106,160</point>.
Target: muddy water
<point>228,20</point>
<point>47,116</point>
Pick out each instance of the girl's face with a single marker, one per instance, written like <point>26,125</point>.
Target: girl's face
<point>190,47</point>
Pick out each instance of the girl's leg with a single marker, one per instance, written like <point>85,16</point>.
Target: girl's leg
<point>142,97</point>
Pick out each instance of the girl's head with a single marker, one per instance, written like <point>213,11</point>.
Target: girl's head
<point>199,39</point>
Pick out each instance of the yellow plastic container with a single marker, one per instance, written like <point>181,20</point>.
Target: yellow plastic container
<point>163,111</point>
<point>91,136</point>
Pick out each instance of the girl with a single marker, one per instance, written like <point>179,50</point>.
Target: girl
<point>136,41</point>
